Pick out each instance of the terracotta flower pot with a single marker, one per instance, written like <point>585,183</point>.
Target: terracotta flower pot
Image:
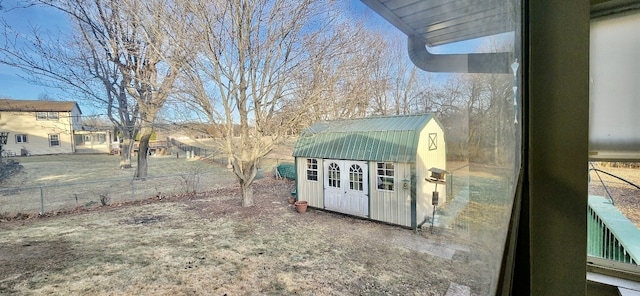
<point>301,206</point>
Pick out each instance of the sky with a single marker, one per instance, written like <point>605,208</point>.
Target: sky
<point>21,20</point>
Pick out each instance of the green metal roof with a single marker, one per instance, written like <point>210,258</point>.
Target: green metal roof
<point>389,138</point>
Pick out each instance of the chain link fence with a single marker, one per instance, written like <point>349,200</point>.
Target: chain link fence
<point>70,196</point>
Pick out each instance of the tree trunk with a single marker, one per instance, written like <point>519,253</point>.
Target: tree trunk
<point>125,153</point>
<point>247,193</point>
<point>246,173</point>
<point>145,136</point>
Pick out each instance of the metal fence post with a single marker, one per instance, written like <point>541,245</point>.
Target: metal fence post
<point>41,201</point>
<point>197,187</point>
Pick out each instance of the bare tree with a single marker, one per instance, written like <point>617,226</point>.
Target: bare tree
<point>133,50</point>
<point>343,75</point>
<point>77,65</point>
<point>395,81</point>
<point>251,53</point>
<point>147,43</point>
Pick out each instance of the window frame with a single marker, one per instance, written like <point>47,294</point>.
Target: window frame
<point>41,115</point>
<point>359,182</point>
<point>380,178</point>
<point>25,138</point>
<point>310,170</point>
<point>51,140</point>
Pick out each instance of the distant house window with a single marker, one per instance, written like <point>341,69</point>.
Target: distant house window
<point>47,115</point>
<point>433,141</point>
<point>102,138</point>
<point>54,140</point>
<point>385,175</point>
<point>21,138</point>
<point>312,169</point>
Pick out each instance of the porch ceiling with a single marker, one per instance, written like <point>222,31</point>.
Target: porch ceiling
<point>440,22</point>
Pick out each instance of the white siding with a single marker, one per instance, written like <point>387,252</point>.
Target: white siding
<point>311,191</point>
<point>425,160</point>
<point>391,206</point>
<point>37,132</point>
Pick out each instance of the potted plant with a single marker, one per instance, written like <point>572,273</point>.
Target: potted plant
<point>301,206</point>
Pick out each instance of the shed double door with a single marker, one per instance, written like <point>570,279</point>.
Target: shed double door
<point>346,187</point>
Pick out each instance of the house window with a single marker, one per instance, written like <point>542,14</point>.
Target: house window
<point>54,140</point>
<point>385,176</point>
<point>334,175</point>
<point>47,115</point>
<point>356,180</point>
<point>312,169</point>
<point>21,139</point>
<point>433,141</point>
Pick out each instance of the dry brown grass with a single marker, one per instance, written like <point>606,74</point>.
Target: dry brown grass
<point>209,245</point>
<point>626,197</point>
<point>72,181</point>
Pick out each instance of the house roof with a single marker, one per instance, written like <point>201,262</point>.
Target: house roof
<point>35,106</point>
<point>390,138</point>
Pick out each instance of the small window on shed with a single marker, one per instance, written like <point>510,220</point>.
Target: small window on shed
<point>312,169</point>
<point>433,141</point>
<point>385,176</point>
<point>52,115</point>
<point>41,115</point>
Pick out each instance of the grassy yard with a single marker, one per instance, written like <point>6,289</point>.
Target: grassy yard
<point>63,182</point>
<point>209,245</point>
<point>69,168</point>
<point>153,239</point>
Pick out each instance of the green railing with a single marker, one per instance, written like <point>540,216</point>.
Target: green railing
<point>610,234</point>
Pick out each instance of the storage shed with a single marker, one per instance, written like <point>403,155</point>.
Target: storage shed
<point>372,167</point>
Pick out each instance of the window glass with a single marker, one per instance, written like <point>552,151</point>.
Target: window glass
<point>385,177</point>
<point>344,62</point>
<point>54,140</point>
<point>479,108</point>
<point>613,217</point>
<point>21,138</point>
<point>312,169</point>
<point>334,175</point>
<point>356,181</point>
